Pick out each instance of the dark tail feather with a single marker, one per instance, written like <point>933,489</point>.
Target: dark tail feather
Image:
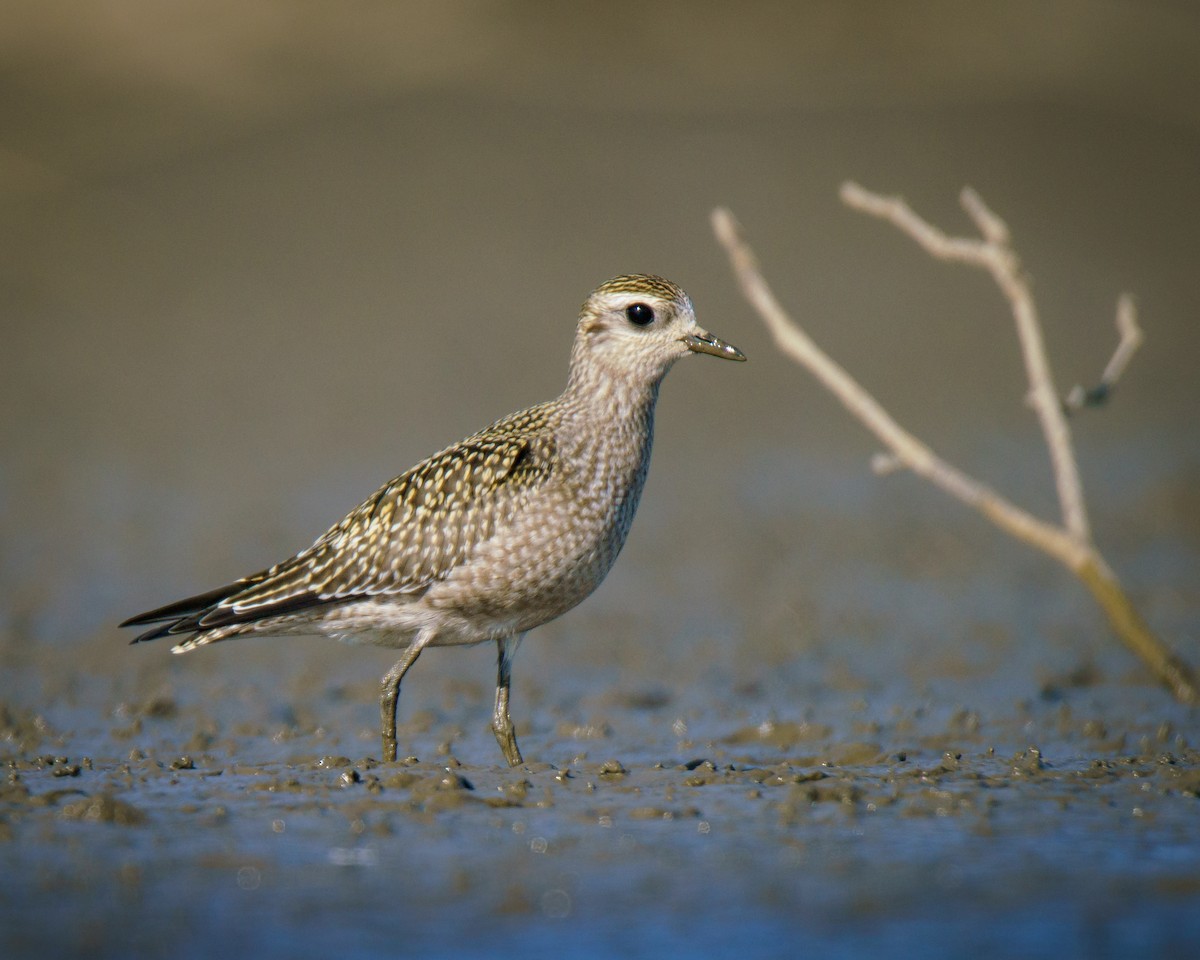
<point>155,633</point>
<point>204,611</point>
<point>182,616</point>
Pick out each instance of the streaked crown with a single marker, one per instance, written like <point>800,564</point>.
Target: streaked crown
<point>643,284</point>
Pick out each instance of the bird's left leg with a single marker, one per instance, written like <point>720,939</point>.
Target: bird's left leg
<point>390,691</point>
<point>502,725</point>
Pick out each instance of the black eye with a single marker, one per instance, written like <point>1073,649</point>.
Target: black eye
<point>640,314</point>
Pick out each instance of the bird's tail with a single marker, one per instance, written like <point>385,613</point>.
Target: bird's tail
<point>182,616</point>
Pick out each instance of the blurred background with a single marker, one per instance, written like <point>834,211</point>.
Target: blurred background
<point>258,258</point>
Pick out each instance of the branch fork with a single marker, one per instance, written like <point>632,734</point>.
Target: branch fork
<point>1068,541</point>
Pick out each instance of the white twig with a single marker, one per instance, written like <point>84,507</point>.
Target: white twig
<point>904,447</point>
<point>995,255</point>
<point>1071,543</point>
<point>1129,339</point>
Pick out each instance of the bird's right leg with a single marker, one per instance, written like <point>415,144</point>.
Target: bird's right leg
<point>390,692</point>
<point>502,725</point>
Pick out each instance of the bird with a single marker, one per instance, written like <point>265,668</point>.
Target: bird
<point>499,533</point>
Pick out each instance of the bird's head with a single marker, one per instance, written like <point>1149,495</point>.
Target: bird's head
<point>638,325</point>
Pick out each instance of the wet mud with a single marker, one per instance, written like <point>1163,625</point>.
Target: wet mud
<point>882,818</point>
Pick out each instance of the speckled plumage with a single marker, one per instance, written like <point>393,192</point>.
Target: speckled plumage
<point>492,536</point>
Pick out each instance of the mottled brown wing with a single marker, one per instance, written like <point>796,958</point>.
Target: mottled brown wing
<point>410,533</point>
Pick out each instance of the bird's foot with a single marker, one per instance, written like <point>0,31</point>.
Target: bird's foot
<point>506,736</point>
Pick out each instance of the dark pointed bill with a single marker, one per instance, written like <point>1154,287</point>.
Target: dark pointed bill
<point>707,343</point>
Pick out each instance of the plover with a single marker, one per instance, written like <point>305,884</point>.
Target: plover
<point>493,536</point>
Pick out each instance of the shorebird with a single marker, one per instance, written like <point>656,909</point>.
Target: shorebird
<point>493,536</point>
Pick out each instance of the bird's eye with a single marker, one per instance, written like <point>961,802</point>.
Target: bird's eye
<point>639,314</point>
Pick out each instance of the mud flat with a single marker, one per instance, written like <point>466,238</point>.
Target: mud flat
<point>649,818</point>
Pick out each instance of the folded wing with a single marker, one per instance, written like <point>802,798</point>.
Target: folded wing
<point>409,534</point>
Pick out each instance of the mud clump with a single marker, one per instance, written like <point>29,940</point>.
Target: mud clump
<point>103,808</point>
<point>22,729</point>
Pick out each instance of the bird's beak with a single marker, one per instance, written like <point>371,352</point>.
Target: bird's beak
<point>701,342</point>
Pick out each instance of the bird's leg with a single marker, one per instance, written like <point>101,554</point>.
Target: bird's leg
<point>390,692</point>
<point>502,725</point>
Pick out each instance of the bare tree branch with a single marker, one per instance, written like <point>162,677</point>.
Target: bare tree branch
<point>994,255</point>
<point>1071,544</point>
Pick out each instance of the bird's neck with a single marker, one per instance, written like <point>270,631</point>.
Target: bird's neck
<point>612,397</point>
<point>611,414</point>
